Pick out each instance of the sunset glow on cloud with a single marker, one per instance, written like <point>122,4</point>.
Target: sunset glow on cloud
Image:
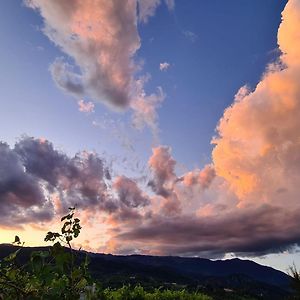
<point>244,199</point>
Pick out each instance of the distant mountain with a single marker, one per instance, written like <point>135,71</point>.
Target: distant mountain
<point>221,278</point>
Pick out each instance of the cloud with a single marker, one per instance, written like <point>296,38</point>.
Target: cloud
<point>163,168</point>
<point>247,201</point>
<point>19,191</point>
<point>36,179</point>
<point>170,4</point>
<point>86,107</point>
<point>190,35</point>
<point>129,193</point>
<point>257,148</point>
<point>101,39</point>
<point>147,8</point>
<point>245,233</point>
<point>145,108</point>
<point>202,177</point>
<point>164,66</point>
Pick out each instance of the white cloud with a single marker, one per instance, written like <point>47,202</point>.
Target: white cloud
<point>164,66</point>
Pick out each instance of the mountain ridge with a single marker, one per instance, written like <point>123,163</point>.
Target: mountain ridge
<point>215,276</point>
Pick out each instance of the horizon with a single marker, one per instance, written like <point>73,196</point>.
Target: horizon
<point>172,126</point>
<point>149,255</point>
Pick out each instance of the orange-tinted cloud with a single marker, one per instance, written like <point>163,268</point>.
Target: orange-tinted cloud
<point>258,148</point>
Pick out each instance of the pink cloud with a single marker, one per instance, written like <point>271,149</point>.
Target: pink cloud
<point>86,107</point>
<point>102,38</point>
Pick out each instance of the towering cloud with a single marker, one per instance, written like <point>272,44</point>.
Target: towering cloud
<point>258,148</point>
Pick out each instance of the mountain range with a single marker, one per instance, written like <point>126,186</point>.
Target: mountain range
<point>223,279</point>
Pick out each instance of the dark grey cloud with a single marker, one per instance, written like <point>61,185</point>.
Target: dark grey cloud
<point>66,79</point>
<point>37,181</point>
<point>20,192</point>
<point>79,179</point>
<point>33,172</point>
<point>259,231</point>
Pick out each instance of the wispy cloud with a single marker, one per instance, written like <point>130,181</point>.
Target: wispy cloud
<point>190,35</point>
<point>164,66</point>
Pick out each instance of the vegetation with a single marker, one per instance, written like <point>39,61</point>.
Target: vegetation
<point>58,273</point>
<point>295,274</point>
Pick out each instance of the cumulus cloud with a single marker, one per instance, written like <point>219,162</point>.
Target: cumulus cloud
<point>86,107</point>
<point>257,150</point>
<point>164,66</point>
<point>36,181</point>
<point>163,167</point>
<point>19,191</point>
<point>101,39</point>
<point>129,193</point>
<point>202,177</point>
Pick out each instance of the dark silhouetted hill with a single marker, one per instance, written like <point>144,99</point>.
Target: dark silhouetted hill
<point>221,278</point>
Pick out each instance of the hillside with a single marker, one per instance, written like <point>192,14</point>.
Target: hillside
<point>220,278</point>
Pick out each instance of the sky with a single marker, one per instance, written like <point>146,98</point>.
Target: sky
<point>172,125</point>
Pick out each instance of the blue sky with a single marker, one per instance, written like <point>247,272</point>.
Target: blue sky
<point>212,48</point>
<point>229,50</point>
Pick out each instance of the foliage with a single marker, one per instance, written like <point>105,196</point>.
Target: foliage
<point>295,274</point>
<point>138,293</point>
<point>50,274</point>
<point>58,273</point>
